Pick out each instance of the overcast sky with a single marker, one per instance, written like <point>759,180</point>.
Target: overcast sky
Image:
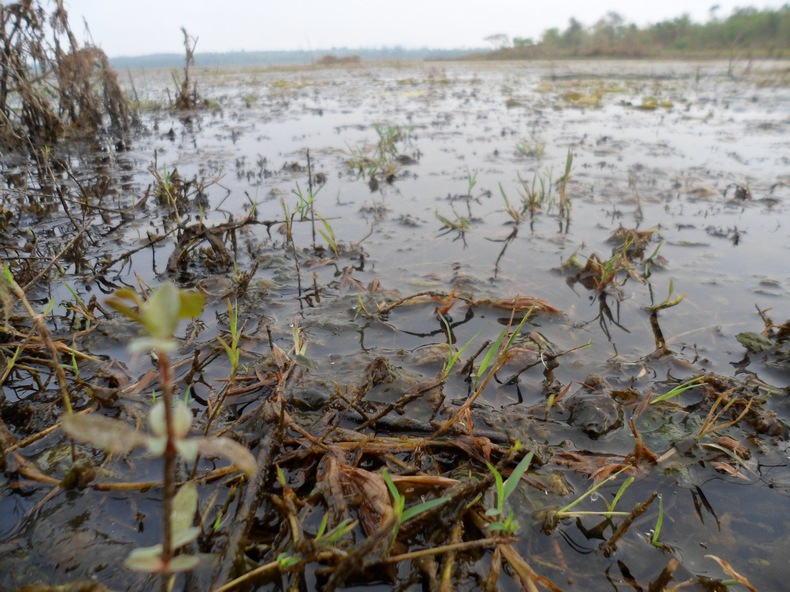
<point>139,27</point>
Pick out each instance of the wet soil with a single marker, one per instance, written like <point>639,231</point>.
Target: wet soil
<point>431,182</point>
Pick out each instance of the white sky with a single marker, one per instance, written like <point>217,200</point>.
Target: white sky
<point>139,27</point>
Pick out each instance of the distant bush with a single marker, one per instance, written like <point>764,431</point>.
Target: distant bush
<point>333,60</point>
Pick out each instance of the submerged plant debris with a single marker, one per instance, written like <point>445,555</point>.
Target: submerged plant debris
<point>482,326</point>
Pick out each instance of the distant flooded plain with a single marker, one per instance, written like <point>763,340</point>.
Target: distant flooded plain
<point>634,216</point>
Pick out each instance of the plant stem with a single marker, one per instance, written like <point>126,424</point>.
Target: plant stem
<point>169,481</point>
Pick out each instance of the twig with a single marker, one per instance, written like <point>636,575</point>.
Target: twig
<point>609,546</point>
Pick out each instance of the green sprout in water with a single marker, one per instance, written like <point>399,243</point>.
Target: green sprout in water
<point>506,525</point>
<point>681,388</point>
<point>454,356</point>
<point>568,511</point>
<point>403,514</point>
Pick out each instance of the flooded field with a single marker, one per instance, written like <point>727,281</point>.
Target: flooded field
<point>423,268</point>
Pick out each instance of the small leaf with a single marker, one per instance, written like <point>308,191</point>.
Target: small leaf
<point>160,313</point>
<point>127,294</point>
<point>110,435</point>
<point>123,300</point>
<point>499,482</point>
<point>184,507</point>
<point>284,560</point>
<point>181,415</point>
<point>156,446</point>
<point>156,419</point>
<point>185,536</point>
<point>149,560</point>
<point>144,344</point>
<point>182,563</point>
<point>229,450</point>
<point>418,509</point>
<point>182,420</point>
<point>515,476</point>
<point>145,559</point>
<point>390,484</point>
<point>188,448</point>
<point>7,275</point>
<point>493,351</point>
<point>191,303</point>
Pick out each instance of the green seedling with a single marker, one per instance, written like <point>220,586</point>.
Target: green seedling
<point>506,525</point>
<point>568,512</point>
<point>329,235</point>
<point>651,261</point>
<point>288,221</point>
<point>669,301</point>
<point>74,366</point>
<point>459,224</point>
<point>232,349</point>
<point>217,522</point>
<point>324,538</point>
<point>532,148</point>
<point>496,357</point>
<point>304,203</point>
<point>681,388</point>
<point>403,514</point>
<point>369,161</point>
<point>286,561</point>
<point>299,351</point>
<point>655,537</point>
<point>233,353</point>
<point>361,307</point>
<point>454,356</point>
<point>613,504</point>
<point>116,437</point>
<point>471,182</point>
<point>497,353</point>
<point>509,209</point>
<point>537,192</point>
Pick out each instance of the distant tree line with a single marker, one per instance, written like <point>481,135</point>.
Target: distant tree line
<point>272,58</point>
<point>749,31</point>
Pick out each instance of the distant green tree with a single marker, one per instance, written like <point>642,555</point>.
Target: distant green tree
<point>551,38</point>
<point>573,36</point>
<point>745,31</point>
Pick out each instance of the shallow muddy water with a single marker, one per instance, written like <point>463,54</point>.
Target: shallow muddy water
<point>696,156</point>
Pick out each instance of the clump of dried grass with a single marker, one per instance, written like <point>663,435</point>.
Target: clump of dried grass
<point>50,87</point>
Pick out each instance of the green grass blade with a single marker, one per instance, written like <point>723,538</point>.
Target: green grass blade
<point>513,481</point>
<point>418,509</point>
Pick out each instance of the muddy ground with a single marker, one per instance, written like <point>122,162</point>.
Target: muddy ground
<point>445,208</point>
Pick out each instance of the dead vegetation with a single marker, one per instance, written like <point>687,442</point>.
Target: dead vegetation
<point>187,95</point>
<point>50,86</point>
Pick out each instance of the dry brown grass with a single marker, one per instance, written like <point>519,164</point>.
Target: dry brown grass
<point>50,87</point>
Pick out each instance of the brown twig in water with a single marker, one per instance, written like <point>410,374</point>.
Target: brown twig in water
<point>609,546</point>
